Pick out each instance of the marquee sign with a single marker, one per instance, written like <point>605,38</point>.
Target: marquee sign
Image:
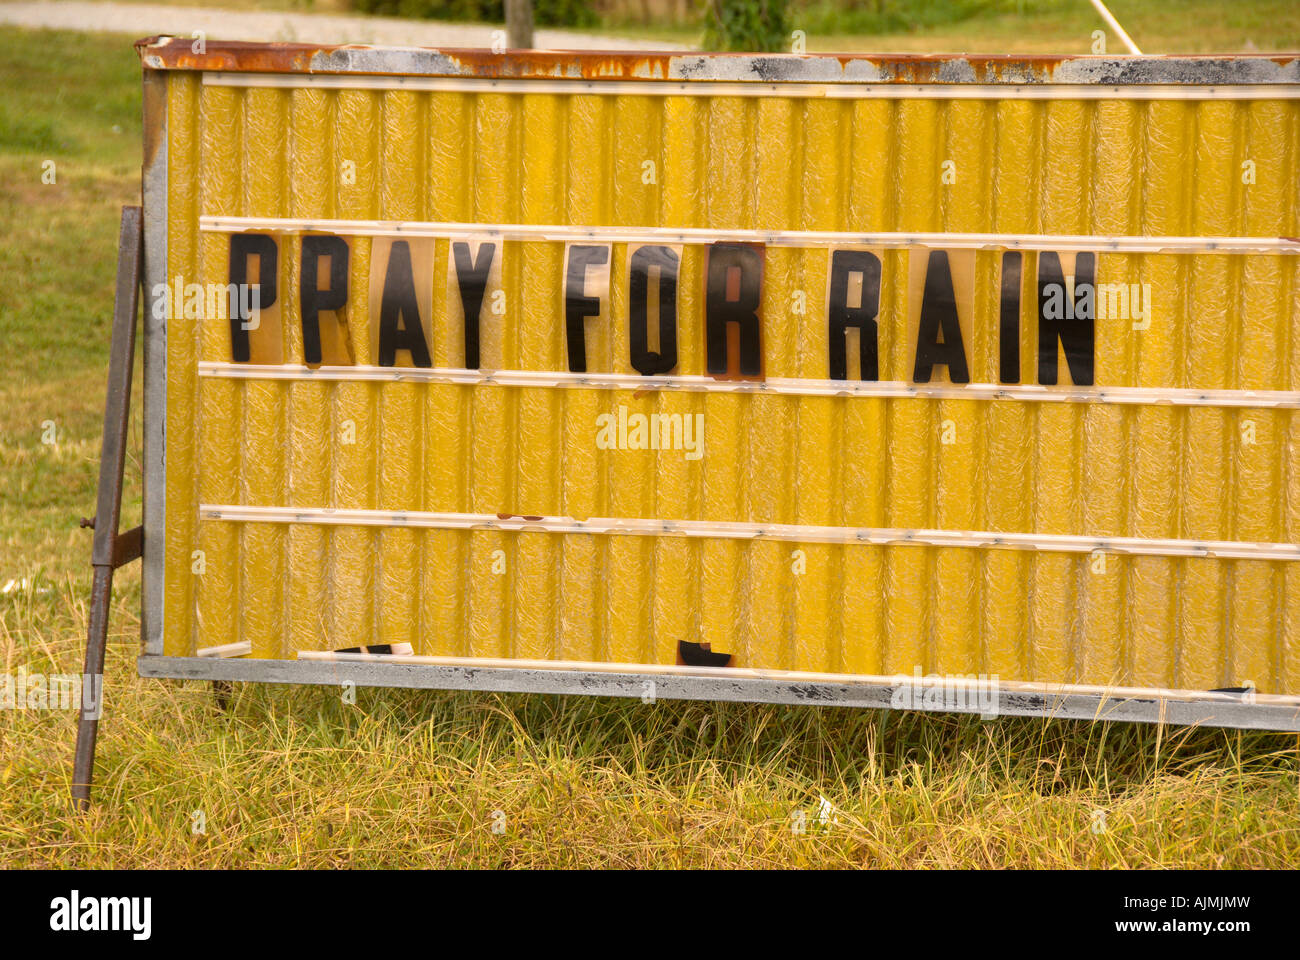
<point>937,383</point>
<point>1064,312</point>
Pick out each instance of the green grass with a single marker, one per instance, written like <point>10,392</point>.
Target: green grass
<point>1066,26</point>
<point>296,777</point>
<point>963,26</point>
<point>1054,27</point>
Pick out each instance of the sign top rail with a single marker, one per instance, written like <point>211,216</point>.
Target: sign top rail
<point>177,53</point>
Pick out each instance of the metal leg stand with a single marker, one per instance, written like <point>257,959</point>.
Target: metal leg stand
<point>110,550</point>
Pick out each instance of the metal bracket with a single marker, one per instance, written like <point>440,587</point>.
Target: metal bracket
<point>111,549</point>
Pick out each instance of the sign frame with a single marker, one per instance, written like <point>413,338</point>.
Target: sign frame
<point>1190,78</point>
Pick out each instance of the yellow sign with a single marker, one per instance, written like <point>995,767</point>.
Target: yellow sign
<point>655,367</point>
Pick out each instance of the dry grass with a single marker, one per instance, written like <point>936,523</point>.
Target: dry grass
<point>296,777</point>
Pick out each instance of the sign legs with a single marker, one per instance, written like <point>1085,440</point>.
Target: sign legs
<point>111,549</point>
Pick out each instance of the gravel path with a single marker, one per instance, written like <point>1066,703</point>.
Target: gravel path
<point>143,19</point>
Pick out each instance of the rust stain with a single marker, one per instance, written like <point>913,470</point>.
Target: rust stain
<point>588,65</point>
<point>176,53</point>
<point>930,67</point>
<point>155,108</point>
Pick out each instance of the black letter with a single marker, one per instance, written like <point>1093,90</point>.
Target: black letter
<point>472,279</point>
<point>643,361</point>
<point>400,304</point>
<point>1078,338</point>
<point>742,309</point>
<point>863,316</point>
<point>314,300</point>
<point>578,307</point>
<point>1009,320</point>
<point>243,246</point>
<point>939,313</point>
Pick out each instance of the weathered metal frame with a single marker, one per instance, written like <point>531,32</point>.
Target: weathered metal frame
<point>154,191</point>
<point>177,53</point>
<point>111,549</point>
<point>1186,77</point>
<point>1029,700</point>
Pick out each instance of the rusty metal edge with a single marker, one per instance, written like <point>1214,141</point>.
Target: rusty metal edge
<point>175,53</point>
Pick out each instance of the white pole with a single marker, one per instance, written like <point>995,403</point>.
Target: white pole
<point>1114,25</point>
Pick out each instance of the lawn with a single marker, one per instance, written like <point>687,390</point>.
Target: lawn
<point>960,26</point>
<point>1066,26</point>
<point>297,777</point>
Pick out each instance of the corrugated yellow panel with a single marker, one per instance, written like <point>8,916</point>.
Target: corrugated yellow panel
<point>581,569</point>
<point>912,428</point>
<point>727,162</point>
<point>862,434</point>
<point>261,439</point>
<point>312,177</point>
<point>540,338</point>
<point>1116,183</point>
<point>222,171</point>
<point>445,552</point>
<point>1008,433</point>
<point>1207,364</point>
<point>956,594</point>
<point>1054,585</point>
<point>491,417</point>
<point>352,557</point>
<point>181,565</point>
<point>633,199</point>
<point>1157,430</point>
<point>817,641</point>
<point>400,409</point>
<point>676,604</point>
<point>1263,326</point>
<point>1009,166</point>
